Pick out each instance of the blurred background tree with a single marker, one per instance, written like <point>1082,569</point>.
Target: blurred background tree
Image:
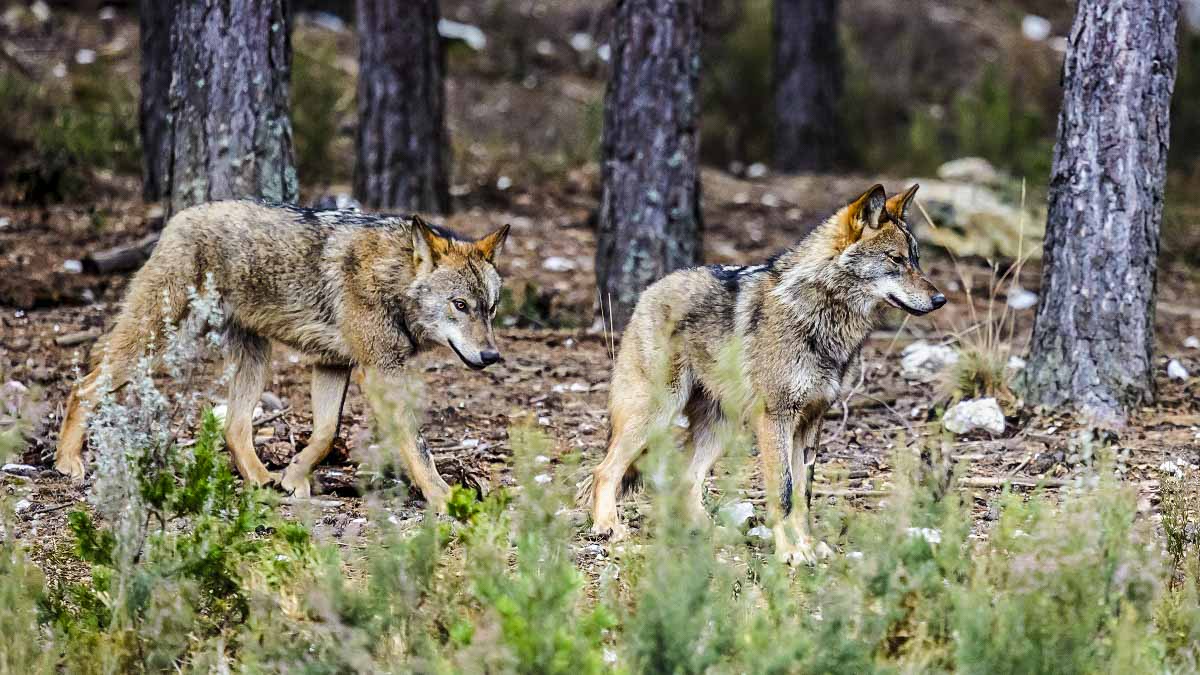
<point>808,85</point>
<point>402,147</point>
<point>230,127</point>
<point>650,221</point>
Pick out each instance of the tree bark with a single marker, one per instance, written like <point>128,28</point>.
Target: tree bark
<point>808,85</point>
<point>231,135</point>
<point>401,142</point>
<point>154,20</point>
<point>650,221</point>
<point>1093,337</point>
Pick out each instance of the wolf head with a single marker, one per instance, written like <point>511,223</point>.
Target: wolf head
<point>453,296</point>
<point>877,247</point>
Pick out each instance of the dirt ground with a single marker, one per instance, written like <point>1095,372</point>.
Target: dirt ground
<point>557,378</point>
<point>557,356</point>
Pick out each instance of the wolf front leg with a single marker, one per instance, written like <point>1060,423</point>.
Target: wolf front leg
<point>250,356</point>
<point>394,415</point>
<point>329,384</point>
<point>775,434</point>
<point>805,446</point>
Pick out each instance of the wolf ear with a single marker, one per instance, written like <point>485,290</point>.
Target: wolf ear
<point>897,206</point>
<point>428,246</point>
<point>490,245</point>
<point>866,211</point>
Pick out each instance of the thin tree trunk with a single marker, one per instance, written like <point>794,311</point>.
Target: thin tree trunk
<point>1093,337</point>
<point>231,135</point>
<point>402,143</point>
<point>154,20</point>
<point>808,85</point>
<point>650,220</point>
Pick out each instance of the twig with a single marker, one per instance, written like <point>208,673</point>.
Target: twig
<point>72,339</point>
<point>271,417</point>
<point>50,509</point>
<point>319,503</point>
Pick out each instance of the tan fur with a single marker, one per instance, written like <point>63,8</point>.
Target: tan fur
<point>348,290</point>
<point>800,321</point>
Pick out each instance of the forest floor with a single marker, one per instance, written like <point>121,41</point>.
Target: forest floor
<point>556,377</point>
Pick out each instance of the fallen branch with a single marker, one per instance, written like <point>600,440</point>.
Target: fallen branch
<point>72,339</point>
<point>121,258</point>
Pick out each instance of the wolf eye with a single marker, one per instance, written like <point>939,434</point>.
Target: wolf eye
<point>460,304</point>
<point>898,260</point>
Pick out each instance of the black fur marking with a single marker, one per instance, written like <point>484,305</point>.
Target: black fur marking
<point>756,314</point>
<point>729,276</point>
<point>785,498</point>
<point>913,254</point>
<point>811,471</point>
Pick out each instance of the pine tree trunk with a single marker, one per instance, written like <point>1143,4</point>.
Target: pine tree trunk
<point>1093,337</point>
<point>231,134</point>
<point>154,19</point>
<point>402,144</point>
<point>808,85</point>
<point>650,220</point>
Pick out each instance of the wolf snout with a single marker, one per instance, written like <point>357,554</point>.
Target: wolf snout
<point>490,356</point>
<point>938,300</point>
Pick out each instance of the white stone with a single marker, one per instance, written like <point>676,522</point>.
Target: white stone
<point>19,469</point>
<point>922,361</point>
<point>85,57</point>
<point>760,532</point>
<point>471,35</point>
<point>581,42</point>
<point>1015,363</point>
<point>930,535</point>
<point>1034,27</point>
<point>756,170</point>
<point>604,53</point>
<point>969,170</point>
<point>23,505</point>
<point>1191,342</point>
<point>737,514</point>
<point>1020,298</point>
<point>542,478</point>
<point>503,183</point>
<point>971,414</point>
<point>1176,371</point>
<point>558,264</point>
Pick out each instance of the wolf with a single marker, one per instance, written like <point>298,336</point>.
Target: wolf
<point>798,321</point>
<point>348,290</point>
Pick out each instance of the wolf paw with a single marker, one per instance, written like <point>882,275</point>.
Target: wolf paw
<point>804,553</point>
<point>295,482</point>
<point>70,466</point>
<point>614,531</point>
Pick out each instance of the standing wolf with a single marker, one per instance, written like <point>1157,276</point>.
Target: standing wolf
<point>346,289</point>
<point>801,320</point>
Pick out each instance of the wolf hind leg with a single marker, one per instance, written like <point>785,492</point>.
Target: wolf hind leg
<point>329,385</point>
<point>154,299</point>
<point>708,430</point>
<point>415,457</point>
<point>250,356</point>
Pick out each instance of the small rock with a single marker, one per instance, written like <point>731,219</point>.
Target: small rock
<point>470,35</point>
<point>542,478</point>
<point>922,361</point>
<point>1170,467</point>
<point>270,402</point>
<point>969,170</point>
<point>760,532</point>
<point>930,535</point>
<point>85,57</point>
<point>73,266</point>
<point>20,470</point>
<point>604,52</point>
<point>503,183</point>
<point>1020,299</point>
<point>737,514</point>
<point>221,412</point>
<point>581,42</point>
<point>971,414</point>
<point>855,555</point>
<point>558,264</point>
<point>1191,342</point>
<point>756,170</point>
<point>1035,28</point>
<point>1176,371</point>
<point>1015,363</point>
<point>23,505</point>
